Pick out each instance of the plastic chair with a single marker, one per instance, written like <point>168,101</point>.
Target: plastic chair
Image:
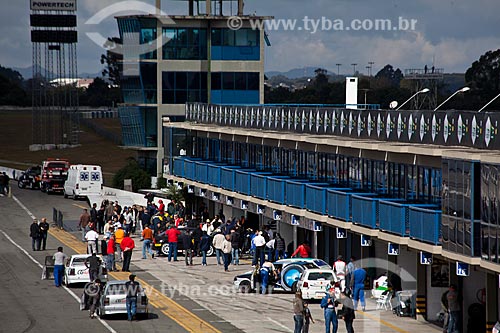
<point>384,301</point>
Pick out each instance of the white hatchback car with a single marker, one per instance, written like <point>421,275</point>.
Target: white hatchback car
<point>114,299</point>
<point>77,272</point>
<point>315,282</point>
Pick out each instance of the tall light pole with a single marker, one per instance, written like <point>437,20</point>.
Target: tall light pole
<point>354,68</point>
<point>423,91</point>
<point>484,107</point>
<point>371,63</point>
<point>464,89</point>
<point>367,70</point>
<point>338,69</point>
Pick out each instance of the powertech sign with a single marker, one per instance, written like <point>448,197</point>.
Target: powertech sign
<point>53,5</point>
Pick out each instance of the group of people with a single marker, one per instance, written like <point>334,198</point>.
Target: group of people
<point>38,232</point>
<point>329,303</point>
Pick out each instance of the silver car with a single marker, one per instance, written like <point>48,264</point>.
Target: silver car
<point>113,299</point>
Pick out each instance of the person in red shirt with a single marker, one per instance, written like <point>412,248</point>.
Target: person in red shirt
<point>173,237</point>
<point>127,245</point>
<point>161,207</point>
<point>303,251</point>
<point>111,247</point>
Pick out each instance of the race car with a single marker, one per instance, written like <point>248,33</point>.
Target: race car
<point>30,178</point>
<point>113,300</point>
<point>289,271</point>
<point>77,272</point>
<point>315,282</point>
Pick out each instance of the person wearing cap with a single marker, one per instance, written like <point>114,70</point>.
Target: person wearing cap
<point>339,267</point>
<point>132,288</point>
<point>328,304</point>
<point>208,227</point>
<point>127,245</point>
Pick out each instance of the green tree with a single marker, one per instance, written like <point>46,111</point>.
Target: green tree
<point>175,194</point>
<point>484,78</point>
<point>140,178</point>
<point>388,76</point>
<point>112,60</point>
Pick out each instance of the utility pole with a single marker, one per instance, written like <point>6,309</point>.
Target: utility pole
<point>338,69</point>
<point>371,63</point>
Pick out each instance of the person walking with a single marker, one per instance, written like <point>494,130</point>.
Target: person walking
<point>127,245</point>
<point>94,294</point>
<point>235,246</point>
<point>93,263</point>
<point>92,237</point>
<point>172,237</point>
<point>308,319</point>
<point>226,250</point>
<point>147,236</point>
<point>348,313</point>
<point>204,247</point>
<point>218,243</point>
<point>358,285</point>
<point>348,274</point>
<point>328,304</point>
<point>44,231</point>
<point>35,235</point>
<point>260,245</point>
<point>339,267</point>
<point>132,289</point>
<point>280,247</point>
<point>298,312</point>
<point>453,309</point>
<point>59,260</point>
<point>83,224</point>
<point>187,242</point>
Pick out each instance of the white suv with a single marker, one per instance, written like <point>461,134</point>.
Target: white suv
<point>315,282</point>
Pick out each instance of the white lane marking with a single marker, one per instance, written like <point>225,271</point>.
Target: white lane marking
<point>23,207</point>
<point>279,324</point>
<point>105,324</point>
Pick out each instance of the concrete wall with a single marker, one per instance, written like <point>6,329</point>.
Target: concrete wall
<point>433,297</point>
<point>407,260</point>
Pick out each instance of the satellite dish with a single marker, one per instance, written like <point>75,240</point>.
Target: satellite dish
<point>393,105</point>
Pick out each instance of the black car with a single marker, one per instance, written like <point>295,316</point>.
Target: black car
<point>30,178</point>
<point>161,243</point>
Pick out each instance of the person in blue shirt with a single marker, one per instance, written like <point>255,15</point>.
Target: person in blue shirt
<point>358,285</point>
<point>328,303</point>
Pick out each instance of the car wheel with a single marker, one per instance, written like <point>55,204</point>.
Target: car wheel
<point>245,287</point>
<point>20,184</point>
<point>164,249</point>
<point>211,251</point>
<point>290,275</point>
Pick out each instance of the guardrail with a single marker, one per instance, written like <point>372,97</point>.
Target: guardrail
<point>425,225</point>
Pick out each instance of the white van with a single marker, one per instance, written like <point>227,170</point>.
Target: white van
<point>83,180</point>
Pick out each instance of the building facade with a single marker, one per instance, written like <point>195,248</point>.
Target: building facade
<point>171,60</point>
<point>408,193</point>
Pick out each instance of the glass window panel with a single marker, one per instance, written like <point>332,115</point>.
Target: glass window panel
<point>228,37</point>
<point>193,80</point>
<point>182,36</point>
<point>253,37</point>
<point>240,81</point>
<point>203,80</point>
<point>241,37</point>
<point>253,81</point>
<point>216,81</point>
<point>216,37</point>
<point>168,97</point>
<point>181,80</point>
<point>180,96</point>
<point>228,81</point>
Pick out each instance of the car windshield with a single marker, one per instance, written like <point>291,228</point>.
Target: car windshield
<point>321,263</point>
<point>57,165</point>
<point>320,276</point>
<point>118,289</point>
<point>78,261</point>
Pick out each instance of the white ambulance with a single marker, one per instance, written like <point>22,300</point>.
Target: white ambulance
<point>83,180</point>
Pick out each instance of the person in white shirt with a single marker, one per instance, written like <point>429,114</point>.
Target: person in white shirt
<point>260,244</point>
<point>339,268</point>
<point>92,236</point>
<point>59,259</point>
<point>218,243</point>
<point>226,250</point>
<point>208,227</point>
<point>270,249</point>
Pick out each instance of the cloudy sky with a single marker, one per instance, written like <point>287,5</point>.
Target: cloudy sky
<point>452,33</point>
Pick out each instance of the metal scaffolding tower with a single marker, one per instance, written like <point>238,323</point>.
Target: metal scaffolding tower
<point>421,78</point>
<point>55,118</point>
